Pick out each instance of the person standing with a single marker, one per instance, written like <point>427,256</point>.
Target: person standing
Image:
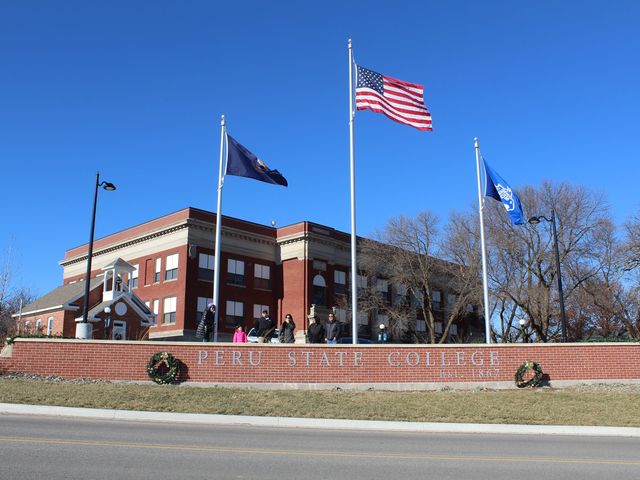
<point>332,330</point>
<point>205,327</point>
<point>287,330</point>
<point>315,332</point>
<point>264,327</point>
<point>239,336</point>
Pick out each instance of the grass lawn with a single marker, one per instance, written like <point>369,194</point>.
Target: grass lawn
<point>603,405</point>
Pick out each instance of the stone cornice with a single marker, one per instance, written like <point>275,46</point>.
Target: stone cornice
<point>127,243</point>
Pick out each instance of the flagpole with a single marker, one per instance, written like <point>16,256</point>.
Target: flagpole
<point>354,265</point>
<point>485,290</point>
<point>216,271</point>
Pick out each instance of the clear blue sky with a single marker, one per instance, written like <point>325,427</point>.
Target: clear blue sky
<point>135,89</point>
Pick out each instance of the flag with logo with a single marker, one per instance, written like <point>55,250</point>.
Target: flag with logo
<point>243,163</point>
<point>496,187</point>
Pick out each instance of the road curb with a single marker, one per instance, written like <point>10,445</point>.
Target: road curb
<point>319,423</point>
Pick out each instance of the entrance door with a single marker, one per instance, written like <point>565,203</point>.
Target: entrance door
<point>119,330</point>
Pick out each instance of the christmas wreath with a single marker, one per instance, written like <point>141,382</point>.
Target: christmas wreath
<point>524,368</point>
<point>163,368</point>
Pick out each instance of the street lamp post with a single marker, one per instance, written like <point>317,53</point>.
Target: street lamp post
<point>535,221</point>
<point>107,322</point>
<point>82,331</point>
<point>523,328</point>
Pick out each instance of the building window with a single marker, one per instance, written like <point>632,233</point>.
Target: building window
<point>133,283</point>
<point>156,306</point>
<point>451,300</point>
<point>38,327</point>
<point>169,310</point>
<point>382,286</point>
<point>258,309</point>
<point>341,315</point>
<point>206,264</point>
<point>262,276</point>
<point>50,326</point>
<point>319,290</point>
<point>362,282</point>
<point>27,326</point>
<point>340,280</point>
<point>171,267</point>
<point>156,275</point>
<point>234,313</point>
<point>421,326</point>
<point>453,330</point>
<point>320,265</point>
<point>438,327</point>
<point>401,295</point>
<point>436,300</point>
<point>235,272</point>
<point>363,318</point>
<point>202,306</point>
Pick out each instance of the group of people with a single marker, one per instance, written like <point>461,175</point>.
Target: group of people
<point>264,326</point>
<point>317,333</point>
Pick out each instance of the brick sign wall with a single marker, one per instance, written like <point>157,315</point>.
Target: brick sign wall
<point>326,364</point>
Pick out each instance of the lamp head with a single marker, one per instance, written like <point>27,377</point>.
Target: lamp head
<point>534,220</point>
<point>107,310</point>
<point>108,186</point>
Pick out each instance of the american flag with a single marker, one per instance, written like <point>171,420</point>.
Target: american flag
<point>398,100</point>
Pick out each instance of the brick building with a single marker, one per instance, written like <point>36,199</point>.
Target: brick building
<point>293,269</point>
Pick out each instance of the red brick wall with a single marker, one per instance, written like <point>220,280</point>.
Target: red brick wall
<point>338,364</point>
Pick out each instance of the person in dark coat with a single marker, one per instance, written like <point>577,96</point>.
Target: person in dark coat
<point>287,329</point>
<point>332,329</point>
<point>264,327</point>
<point>205,327</point>
<point>315,332</point>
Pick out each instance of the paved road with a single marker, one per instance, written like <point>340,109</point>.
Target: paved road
<point>36,447</point>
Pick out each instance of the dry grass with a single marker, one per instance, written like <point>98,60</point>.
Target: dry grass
<point>608,406</point>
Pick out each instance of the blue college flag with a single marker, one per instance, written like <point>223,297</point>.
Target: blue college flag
<point>496,187</point>
<point>242,163</point>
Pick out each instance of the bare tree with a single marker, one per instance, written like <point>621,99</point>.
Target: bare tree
<point>522,269</point>
<point>10,298</point>
<point>410,254</point>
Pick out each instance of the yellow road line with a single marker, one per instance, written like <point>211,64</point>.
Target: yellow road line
<point>316,453</point>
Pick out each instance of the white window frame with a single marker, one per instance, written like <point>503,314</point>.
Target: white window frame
<point>50,321</point>
<point>262,271</point>
<point>235,266</point>
<point>171,266</point>
<point>421,326</point>
<point>362,281</point>
<point>157,271</point>
<point>341,315</point>
<point>169,306</point>
<point>258,309</point>
<point>133,281</point>
<point>206,261</point>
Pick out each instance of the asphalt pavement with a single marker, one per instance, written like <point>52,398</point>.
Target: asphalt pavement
<point>318,423</point>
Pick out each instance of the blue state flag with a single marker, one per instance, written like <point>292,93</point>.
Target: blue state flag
<point>242,163</point>
<point>496,187</point>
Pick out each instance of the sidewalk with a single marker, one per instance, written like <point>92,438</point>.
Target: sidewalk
<point>422,427</point>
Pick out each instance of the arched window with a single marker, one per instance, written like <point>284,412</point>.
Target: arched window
<point>319,290</point>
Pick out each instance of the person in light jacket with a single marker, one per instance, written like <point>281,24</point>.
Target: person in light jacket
<point>287,329</point>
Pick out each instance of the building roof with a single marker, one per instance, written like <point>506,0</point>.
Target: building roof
<point>60,296</point>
